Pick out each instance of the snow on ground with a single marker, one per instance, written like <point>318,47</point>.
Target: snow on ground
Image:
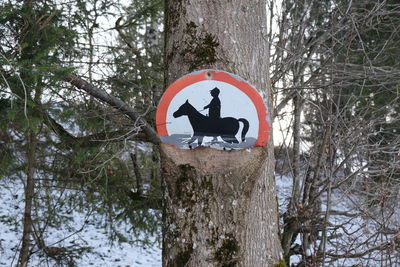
<point>80,230</point>
<point>84,231</point>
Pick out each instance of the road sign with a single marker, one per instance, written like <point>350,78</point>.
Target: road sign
<point>212,108</point>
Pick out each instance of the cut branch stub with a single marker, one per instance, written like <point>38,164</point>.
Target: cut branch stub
<point>209,195</point>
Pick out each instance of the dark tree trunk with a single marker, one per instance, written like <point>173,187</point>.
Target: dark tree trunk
<point>29,193</point>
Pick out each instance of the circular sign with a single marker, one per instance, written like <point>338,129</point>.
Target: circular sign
<point>212,108</point>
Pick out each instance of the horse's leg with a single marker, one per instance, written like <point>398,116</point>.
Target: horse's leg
<point>191,141</point>
<point>200,138</point>
<point>194,137</point>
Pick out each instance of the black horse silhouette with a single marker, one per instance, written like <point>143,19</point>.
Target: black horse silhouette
<point>202,125</point>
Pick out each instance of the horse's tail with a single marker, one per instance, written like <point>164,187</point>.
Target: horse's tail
<point>245,128</point>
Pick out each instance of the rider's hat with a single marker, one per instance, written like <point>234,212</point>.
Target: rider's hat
<point>215,90</point>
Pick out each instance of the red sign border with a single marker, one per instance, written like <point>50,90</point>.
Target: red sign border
<point>217,75</point>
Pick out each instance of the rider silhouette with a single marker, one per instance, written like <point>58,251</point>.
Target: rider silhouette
<point>214,108</point>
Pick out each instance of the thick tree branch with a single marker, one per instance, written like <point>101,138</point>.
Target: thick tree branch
<point>90,140</point>
<point>114,102</point>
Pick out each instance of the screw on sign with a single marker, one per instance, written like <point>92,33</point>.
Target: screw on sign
<point>212,108</point>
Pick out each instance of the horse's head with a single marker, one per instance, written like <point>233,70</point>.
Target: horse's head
<point>182,110</point>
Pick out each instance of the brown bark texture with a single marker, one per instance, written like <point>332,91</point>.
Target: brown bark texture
<point>221,207</point>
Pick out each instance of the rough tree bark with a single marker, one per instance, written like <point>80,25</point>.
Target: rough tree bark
<point>221,207</point>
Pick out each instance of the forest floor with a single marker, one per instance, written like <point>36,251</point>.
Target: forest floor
<point>89,232</point>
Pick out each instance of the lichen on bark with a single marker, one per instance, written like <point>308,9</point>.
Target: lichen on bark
<point>183,257</point>
<point>281,263</point>
<point>226,254</point>
<point>181,182</point>
<point>199,47</point>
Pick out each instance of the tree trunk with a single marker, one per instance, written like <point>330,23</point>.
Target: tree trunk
<point>221,206</point>
<point>29,193</point>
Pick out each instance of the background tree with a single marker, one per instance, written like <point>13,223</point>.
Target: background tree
<point>329,67</point>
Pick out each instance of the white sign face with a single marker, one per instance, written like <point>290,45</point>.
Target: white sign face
<point>212,108</point>
<point>242,108</point>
